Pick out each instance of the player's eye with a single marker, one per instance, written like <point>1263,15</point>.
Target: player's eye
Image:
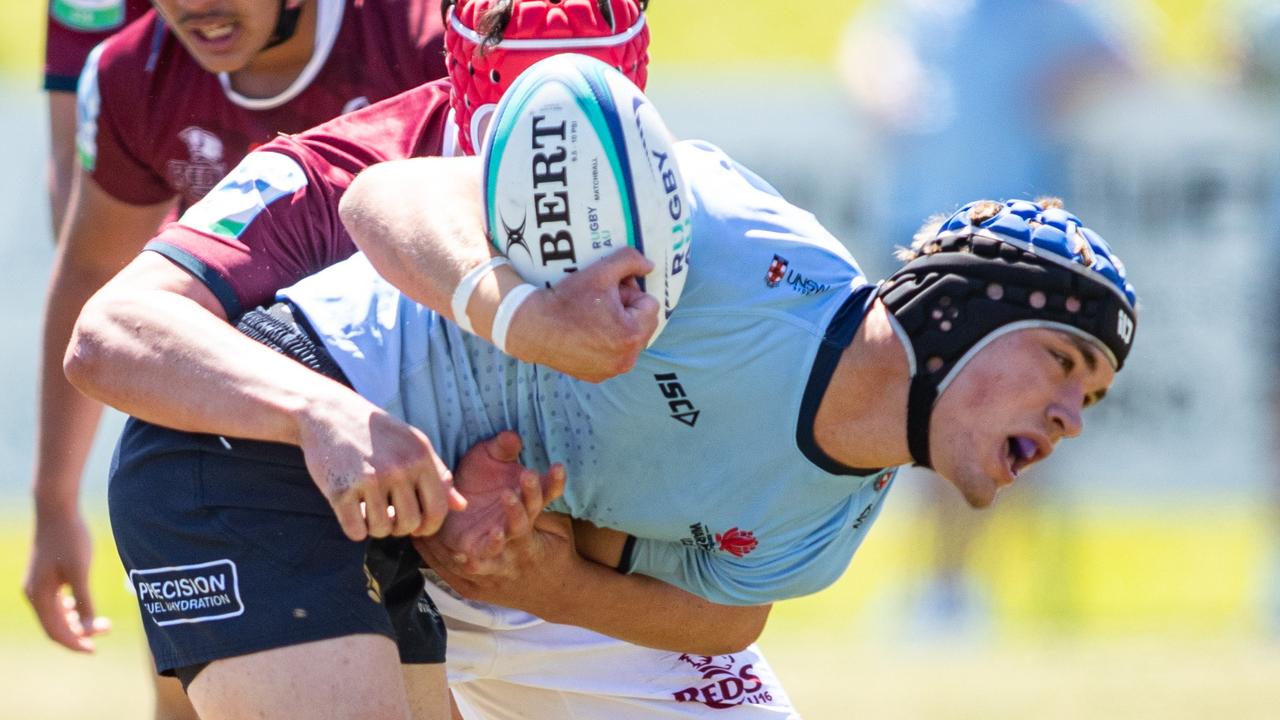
<point>1064,361</point>
<point>1094,398</point>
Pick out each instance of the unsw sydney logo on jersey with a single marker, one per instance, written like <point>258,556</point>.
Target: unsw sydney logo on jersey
<point>780,270</point>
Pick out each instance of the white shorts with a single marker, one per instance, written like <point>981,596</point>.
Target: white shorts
<point>506,664</point>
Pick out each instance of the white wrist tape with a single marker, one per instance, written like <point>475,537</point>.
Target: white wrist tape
<point>462,294</point>
<point>507,310</point>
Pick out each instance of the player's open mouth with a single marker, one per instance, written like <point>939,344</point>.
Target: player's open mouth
<point>217,32</point>
<point>1021,452</point>
<point>213,32</point>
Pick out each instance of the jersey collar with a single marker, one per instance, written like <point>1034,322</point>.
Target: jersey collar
<point>844,325</point>
<point>328,22</point>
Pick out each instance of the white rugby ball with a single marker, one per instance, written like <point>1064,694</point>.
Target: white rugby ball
<point>577,164</point>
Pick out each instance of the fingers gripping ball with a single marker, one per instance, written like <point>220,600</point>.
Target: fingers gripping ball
<point>579,165</point>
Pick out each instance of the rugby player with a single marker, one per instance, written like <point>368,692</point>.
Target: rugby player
<point>1013,312</point>
<point>976,358</point>
<point>201,643</point>
<point>167,106</point>
<point>72,29</point>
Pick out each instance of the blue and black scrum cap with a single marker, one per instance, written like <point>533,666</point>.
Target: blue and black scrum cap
<point>978,278</point>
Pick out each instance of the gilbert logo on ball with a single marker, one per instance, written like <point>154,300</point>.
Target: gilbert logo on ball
<point>578,164</point>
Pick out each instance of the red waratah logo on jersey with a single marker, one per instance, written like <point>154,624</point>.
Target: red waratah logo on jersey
<point>736,542</point>
<point>777,271</point>
<point>884,480</point>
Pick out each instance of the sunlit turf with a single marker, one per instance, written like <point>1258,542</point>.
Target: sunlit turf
<point>1152,618</point>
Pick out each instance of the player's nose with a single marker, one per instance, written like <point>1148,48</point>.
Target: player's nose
<point>1065,417</point>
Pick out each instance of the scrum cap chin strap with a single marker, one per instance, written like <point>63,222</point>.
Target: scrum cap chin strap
<point>286,24</point>
<point>951,301</point>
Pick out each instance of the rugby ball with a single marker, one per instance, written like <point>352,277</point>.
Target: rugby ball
<point>577,164</point>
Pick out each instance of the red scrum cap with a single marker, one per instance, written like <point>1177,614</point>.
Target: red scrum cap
<point>537,29</point>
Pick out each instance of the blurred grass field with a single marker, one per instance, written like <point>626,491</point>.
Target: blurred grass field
<point>1151,616</point>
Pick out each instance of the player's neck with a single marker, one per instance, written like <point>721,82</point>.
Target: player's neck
<point>862,419</point>
<point>273,70</point>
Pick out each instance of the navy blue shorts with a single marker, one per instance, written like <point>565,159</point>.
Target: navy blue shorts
<point>233,550</point>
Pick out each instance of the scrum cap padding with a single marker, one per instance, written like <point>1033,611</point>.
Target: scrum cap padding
<point>948,301</point>
<point>537,29</point>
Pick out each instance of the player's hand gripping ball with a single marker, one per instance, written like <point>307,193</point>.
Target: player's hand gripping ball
<point>578,164</point>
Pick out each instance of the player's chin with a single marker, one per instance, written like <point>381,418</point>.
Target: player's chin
<point>979,490</point>
<point>220,62</point>
<point>980,501</point>
<point>978,485</point>
<point>233,54</point>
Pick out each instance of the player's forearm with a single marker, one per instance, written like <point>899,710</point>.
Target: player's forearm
<point>421,224</point>
<point>101,235</point>
<point>67,422</point>
<point>165,359</point>
<point>62,155</point>
<point>645,611</point>
<point>419,221</point>
<point>67,419</point>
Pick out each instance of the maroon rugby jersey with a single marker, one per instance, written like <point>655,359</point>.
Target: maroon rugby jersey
<point>274,219</point>
<point>154,124</point>
<point>74,28</point>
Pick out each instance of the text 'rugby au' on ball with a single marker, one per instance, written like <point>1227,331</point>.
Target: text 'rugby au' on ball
<point>577,164</point>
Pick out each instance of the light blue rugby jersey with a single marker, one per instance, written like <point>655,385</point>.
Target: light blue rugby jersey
<point>704,451</point>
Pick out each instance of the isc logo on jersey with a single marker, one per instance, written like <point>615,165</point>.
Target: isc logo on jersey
<point>260,179</point>
<point>577,164</point>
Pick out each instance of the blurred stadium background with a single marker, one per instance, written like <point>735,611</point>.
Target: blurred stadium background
<point>1137,576</point>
